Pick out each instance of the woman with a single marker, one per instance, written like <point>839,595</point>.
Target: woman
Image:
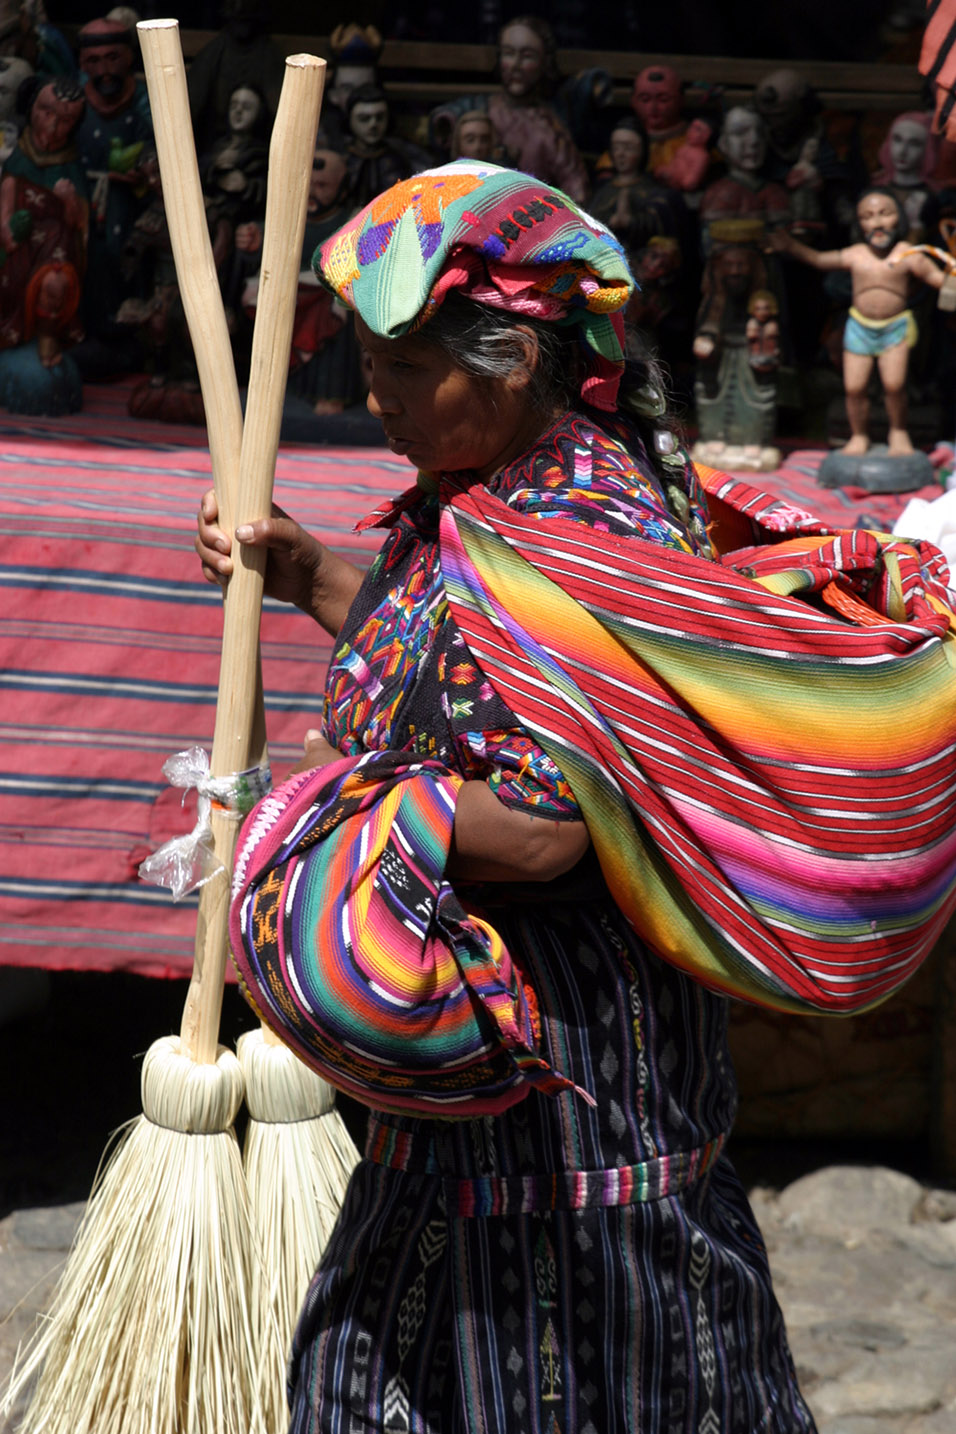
<point>581,1256</point>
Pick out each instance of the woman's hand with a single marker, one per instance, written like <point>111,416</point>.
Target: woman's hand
<point>294,556</point>
<point>299,569</point>
<point>317,752</point>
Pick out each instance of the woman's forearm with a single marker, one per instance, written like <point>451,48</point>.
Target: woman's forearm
<point>335,583</point>
<point>492,842</point>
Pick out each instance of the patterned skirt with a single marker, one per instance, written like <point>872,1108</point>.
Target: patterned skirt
<point>562,1268</point>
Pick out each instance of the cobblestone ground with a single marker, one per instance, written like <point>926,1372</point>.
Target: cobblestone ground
<point>864,1262</point>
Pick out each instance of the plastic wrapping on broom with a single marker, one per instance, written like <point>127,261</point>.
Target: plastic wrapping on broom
<point>187,862</point>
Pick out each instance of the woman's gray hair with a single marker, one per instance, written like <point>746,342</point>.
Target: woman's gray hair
<point>489,343</point>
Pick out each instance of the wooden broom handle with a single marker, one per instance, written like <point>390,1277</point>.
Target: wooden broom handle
<point>243,467</point>
<point>192,252</point>
<point>290,166</point>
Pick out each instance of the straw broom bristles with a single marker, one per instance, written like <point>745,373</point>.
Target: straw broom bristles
<point>149,1330</point>
<point>298,1158</point>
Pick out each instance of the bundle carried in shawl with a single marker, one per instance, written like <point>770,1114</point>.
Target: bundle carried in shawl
<point>764,752</point>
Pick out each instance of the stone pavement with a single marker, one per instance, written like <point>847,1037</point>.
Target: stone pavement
<point>864,1262</point>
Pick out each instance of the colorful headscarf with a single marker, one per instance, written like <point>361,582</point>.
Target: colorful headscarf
<point>498,236</point>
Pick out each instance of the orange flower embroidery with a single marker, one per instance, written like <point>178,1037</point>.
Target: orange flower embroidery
<point>427,196</point>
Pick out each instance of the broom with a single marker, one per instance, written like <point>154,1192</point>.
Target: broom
<point>151,1327</point>
<point>298,1155</point>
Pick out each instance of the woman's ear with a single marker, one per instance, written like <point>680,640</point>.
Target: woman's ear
<point>527,357</point>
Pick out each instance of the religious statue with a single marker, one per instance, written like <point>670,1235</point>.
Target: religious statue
<point>632,204</point>
<point>355,53</point>
<point>234,186</point>
<point>325,368</point>
<point>532,134</point>
<point>735,398</point>
<point>801,156</point>
<point>474,137</point>
<point>687,168</point>
<point>43,230</point>
<point>656,100</point>
<point>763,330</point>
<point>657,306</point>
<point>234,178</point>
<point>158,321</point>
<point>13,72</point>
<point>880,329</point>
<point>376,159</point>
<point>113,137</point>
<point>26,33</point>
<point>908,158</point>
<point>241,54</point>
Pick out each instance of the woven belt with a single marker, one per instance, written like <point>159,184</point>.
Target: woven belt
<point>563,1190</point>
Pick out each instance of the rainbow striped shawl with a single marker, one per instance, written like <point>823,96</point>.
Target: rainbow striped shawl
<point>764,751</point>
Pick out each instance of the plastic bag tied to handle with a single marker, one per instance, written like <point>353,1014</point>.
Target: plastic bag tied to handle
<point>187,862</point>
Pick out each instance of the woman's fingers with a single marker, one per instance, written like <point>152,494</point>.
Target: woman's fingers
<point>316,752</point>
<point>211,543</point>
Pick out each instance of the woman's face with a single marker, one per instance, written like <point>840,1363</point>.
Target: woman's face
<point>439,417</point>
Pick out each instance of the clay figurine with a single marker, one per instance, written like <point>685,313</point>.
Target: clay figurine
<point>799,154</point>
<point>13,71</point>
<point>171,392</point>
<point>113,137</point>
<point>744,192</point>
<point>908,158</point>
<point>43,228</point>
<point>474,137</point>
<point>532,134</point>
<point>355,52</point>
<point>880,329</point>
<point>691,160</point>
<point>763,330</point>
<point>241,54</point>
<point>656,100</point>
<point>234,179</point>
<point>376,159</point>
<point>657,305</point>
<point>735,398</point>
<point>631,203</point>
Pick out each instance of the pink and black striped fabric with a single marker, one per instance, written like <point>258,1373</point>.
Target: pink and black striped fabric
<point>109,662</point>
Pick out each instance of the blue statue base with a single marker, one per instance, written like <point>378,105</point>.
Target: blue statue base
<point>28,386</point>
<point>877,471</point>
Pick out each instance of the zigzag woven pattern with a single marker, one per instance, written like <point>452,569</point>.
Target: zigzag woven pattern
<point>765,751</point>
